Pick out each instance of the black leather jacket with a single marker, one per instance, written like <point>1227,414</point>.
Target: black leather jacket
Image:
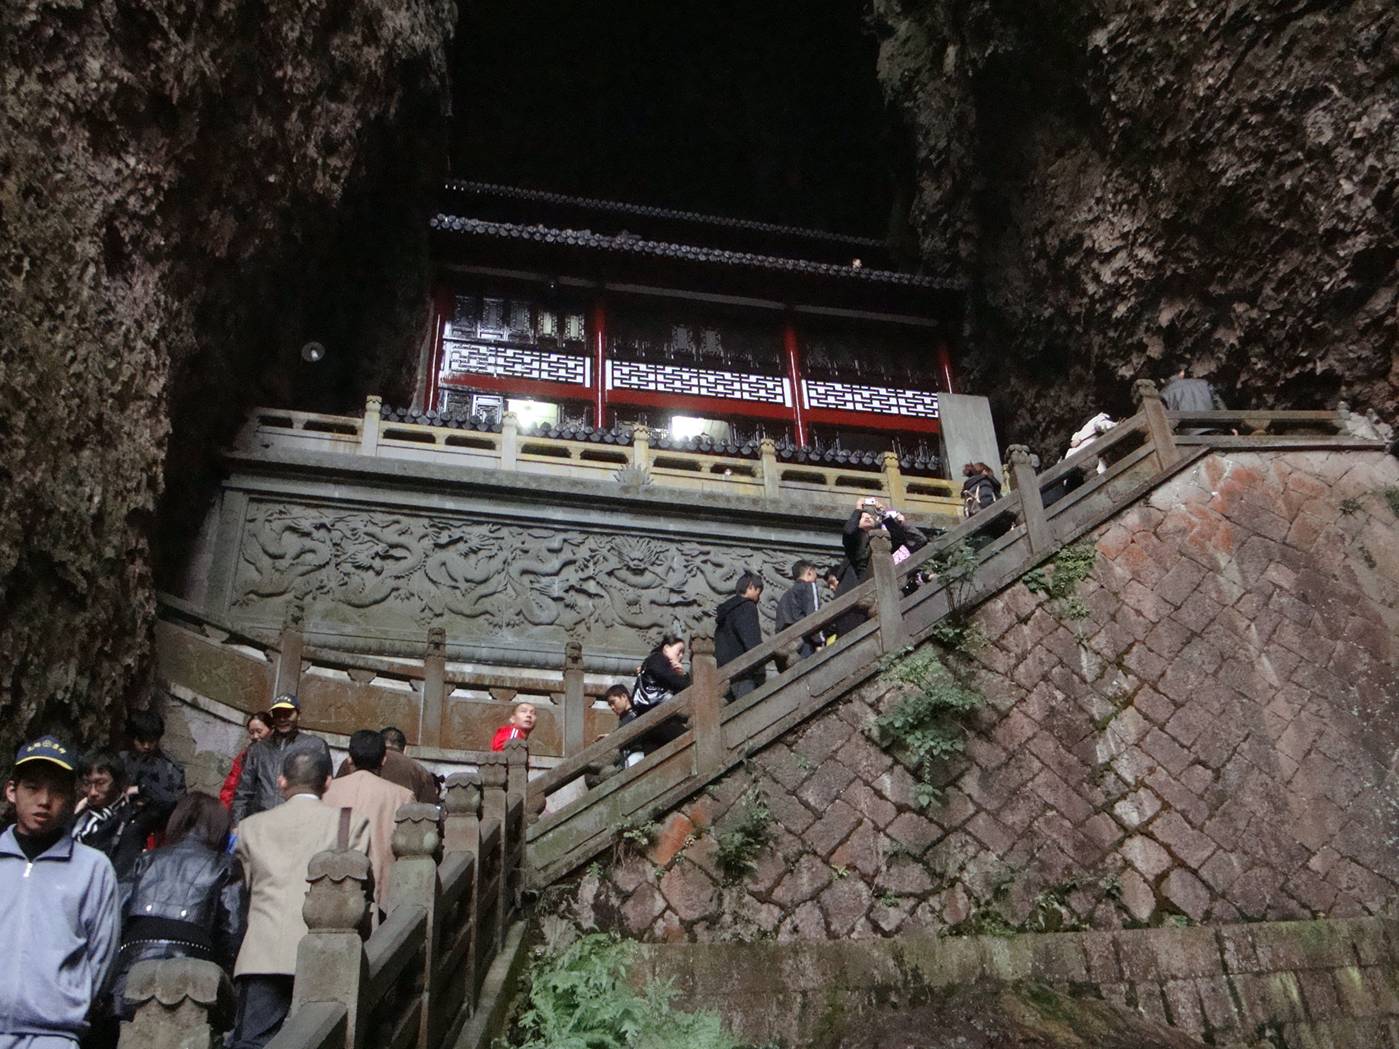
<point>181,901</point>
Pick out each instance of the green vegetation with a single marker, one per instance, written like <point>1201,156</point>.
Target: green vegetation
<point>1050,912</point>
<point>925,727</point>
<point>959,634</point>
<point>1059,578</point>
<point>1350,506</point>
<point>636,837</point>
<point>738,847</point>
<point>1391,496</point>
<point>955,566</point>
<point>579,998</point>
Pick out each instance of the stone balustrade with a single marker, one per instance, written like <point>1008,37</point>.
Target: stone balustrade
<point>1038,517</point>
<point>639,463</point>
<point>419,978</point>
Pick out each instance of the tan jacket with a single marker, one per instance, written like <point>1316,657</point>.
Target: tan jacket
<point>275,848</point>
<point>377,800</point>
<point>401,769</point>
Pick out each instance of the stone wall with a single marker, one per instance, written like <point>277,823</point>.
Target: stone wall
<point>1133,185</point>
<point>188,197</point>
<point>1213,741</point>
<point>512,566</point>
<point>1303,985</point>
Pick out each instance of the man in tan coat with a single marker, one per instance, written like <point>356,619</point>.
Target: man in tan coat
<point>275,848</point>
<point>399,768</point>
<point>376,799</point>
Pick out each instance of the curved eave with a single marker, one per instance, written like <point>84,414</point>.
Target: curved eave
<point>458,225</point>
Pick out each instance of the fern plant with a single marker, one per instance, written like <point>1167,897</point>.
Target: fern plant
<point>926,724</point>
<point>580,998</point>
<point>1059,579</point>
<point>738,847</point>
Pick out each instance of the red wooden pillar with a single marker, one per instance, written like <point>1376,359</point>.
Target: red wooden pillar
<point>441,315</point>
<point>599,363</point>
<point>945,366</point>
<point>792,350</point>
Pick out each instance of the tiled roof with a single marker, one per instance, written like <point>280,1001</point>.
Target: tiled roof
<point>488,189</point>
<point>634,245</point>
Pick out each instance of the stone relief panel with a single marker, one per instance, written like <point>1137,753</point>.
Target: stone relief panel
<point>399,574</point>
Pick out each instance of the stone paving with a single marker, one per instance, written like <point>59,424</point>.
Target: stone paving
<point>1214,742</point>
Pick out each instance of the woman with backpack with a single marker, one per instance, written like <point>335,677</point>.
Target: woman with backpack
<point>661,677</point>
<point>980,490</point>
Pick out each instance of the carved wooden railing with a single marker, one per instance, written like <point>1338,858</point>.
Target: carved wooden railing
<point>766,476</point>
<point>1041,514</point>
<point>418,980</point>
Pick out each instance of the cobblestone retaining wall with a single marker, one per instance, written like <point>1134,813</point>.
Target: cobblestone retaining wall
<point>1215,741</point>
<point>1303,985</point>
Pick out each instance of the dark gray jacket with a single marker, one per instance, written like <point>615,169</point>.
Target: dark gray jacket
<point>257,787</point>
<point>1191,395</point>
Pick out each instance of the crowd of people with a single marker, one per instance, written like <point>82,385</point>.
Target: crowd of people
<point>110,861</point>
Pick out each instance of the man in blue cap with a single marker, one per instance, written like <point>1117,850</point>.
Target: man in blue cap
<point>257,787</point>
<point>58,907</point>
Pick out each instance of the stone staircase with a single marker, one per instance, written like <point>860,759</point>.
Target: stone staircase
<point>1009,538</point>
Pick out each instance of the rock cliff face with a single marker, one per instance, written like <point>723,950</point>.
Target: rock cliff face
<point>1135,183</point>
<point>187,195</point>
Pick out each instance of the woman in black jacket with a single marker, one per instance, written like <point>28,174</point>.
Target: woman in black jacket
<point>662,677</point>
<point>980,490</point>
<point>184,899</point>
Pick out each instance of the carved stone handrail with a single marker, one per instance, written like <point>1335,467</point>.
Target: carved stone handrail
<point>1003,550</point>
<point>369,435</point>
<point>418,978</point>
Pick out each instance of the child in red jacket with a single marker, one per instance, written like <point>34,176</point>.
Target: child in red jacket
<point>518,727</point>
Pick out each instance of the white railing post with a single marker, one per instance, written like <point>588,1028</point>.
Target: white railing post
<point>369,428</point>
<point>509,441</point>
<point>767,449</point>
<point>641,447</point>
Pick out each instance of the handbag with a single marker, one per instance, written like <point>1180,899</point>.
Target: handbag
<point>647,693</point>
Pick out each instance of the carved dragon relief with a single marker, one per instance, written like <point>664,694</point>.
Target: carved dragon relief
<point>496,581</point>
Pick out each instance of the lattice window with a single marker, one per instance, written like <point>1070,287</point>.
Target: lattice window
<point>696,382</point>
<point>884,400</point>
<point>517,361</point>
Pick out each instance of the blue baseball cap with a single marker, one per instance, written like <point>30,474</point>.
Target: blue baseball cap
<point>46,748</point>
<point>286,701</point>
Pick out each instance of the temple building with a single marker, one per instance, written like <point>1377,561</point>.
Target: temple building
<point>619,411</point>
<point>586,315</point>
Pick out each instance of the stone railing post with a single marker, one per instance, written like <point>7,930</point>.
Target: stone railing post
<point>370,427</point>
<point>1158,427</point>
<point>1027,486</point>
<point>289,651</point>
<point>886,592</point>
<point>330,965</point>
<point>462,833</point>
<point>516,768</point>
<point>461,802</point>
<point>415,884</point>
<point>494,804</point>
<point>432,722</point>
<point>181,1003</point>
<point>509,441</point>
<point>772,480</point>
<point>893,480</point>
<point>641,447</point>
<point>575,700</point>
<point>705,706</point>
